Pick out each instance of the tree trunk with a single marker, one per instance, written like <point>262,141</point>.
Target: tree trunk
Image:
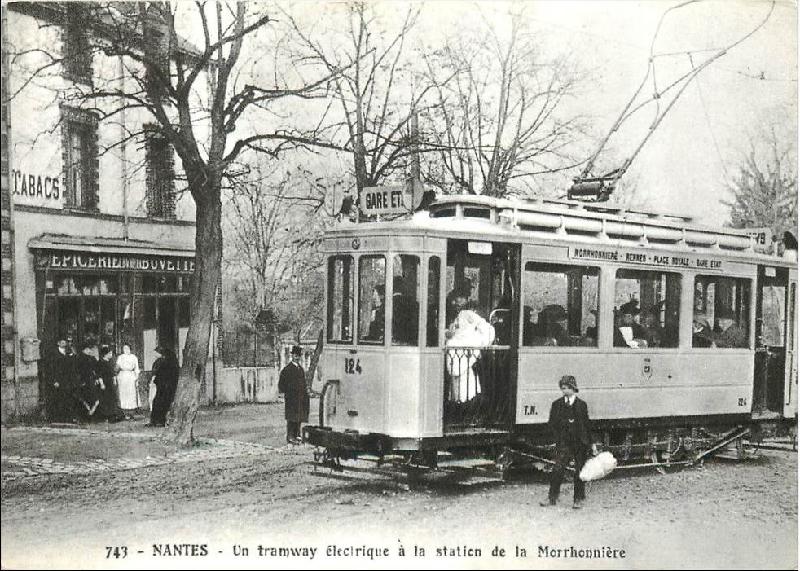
<point>208,266</point>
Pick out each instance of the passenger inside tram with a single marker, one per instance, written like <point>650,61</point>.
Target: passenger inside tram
<point>405,313</point>
<point>458,299</point>
<point>376,324</point>
<point>702,334</point>
<point>553,322</point>
<point>654,333</point>
<point>628,332</point>
<point>728,333</point>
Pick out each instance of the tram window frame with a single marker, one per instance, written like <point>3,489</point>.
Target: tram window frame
<point>433,311</point>
<point>345,298</point>
<point>367,293</point>
<point>708,302</point>
<point>575,321</point>
<point>669,314</point>
<point>409,324</point>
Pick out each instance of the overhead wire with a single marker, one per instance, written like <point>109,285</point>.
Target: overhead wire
<point>686,79</point>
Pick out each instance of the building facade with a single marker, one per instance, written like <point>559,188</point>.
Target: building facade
<point>97,229</point>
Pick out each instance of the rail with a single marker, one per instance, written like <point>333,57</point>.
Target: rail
<point>477,387</point>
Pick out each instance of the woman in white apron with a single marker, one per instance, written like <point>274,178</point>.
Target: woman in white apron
<point>466,334</point>
<point>127,378</point>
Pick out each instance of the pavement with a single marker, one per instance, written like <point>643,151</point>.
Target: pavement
<point>255,430</point>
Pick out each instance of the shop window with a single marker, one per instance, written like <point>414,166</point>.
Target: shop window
<point>371,299</point>
<point>721,313</point>
<point>560,305</point>
<point>340,299</point>
<point>646,309</point>
<point>434,280</point>
<point>405,300</point>
<point>168,284</point>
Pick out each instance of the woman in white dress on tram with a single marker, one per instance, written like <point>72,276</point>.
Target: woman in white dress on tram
<point>127,379</point>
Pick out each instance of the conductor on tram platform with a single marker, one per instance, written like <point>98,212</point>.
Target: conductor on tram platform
<point>569,426</point>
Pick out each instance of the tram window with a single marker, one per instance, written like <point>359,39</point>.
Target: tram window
<point>647,309</point>
<point>371,299</point>
<point>405,300</point>
<point>721,313</point>
<point>560,305</point>
<point>773,309</point>
<point>434,278</point>
<point>340,299</point>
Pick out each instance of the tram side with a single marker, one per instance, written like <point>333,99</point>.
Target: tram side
<point>658,338</point>
<point>669,364</point>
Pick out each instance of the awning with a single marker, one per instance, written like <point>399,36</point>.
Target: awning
<point>101,245</point>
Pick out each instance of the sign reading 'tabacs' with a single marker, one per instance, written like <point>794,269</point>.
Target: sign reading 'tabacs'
<point>384,200</point>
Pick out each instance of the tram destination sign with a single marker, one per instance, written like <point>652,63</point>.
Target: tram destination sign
<point>379,200</point>
<point>114,262</point>
<point>656,259</point>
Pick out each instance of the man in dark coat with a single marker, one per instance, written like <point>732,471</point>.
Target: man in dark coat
<point>569,424</point>
<point>60,383</point>
<point>292,383</point>
<point>165,377</point>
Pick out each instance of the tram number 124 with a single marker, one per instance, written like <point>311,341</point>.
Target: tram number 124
<point>352,366</point>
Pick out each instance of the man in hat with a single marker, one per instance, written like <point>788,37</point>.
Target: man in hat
<point>553,318</point>
<point>730,335</point>
<point>457,299</point>
<point>569,425</point>
<point>292,383</point>
<point>60,382</point>
<point>628,333</point>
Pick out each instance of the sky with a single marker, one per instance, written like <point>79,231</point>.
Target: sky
<point>685,165</point>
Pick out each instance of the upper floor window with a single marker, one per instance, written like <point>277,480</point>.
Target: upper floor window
<point>647,307</point>
<point>160,171</point>
<point>77,52</point>
<point>560,305</point>
<point>721,312</point>
<point>80,157</point>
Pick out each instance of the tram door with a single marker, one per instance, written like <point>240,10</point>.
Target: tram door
<point>790,385</point>
<point>771,337</point>
<point>482,327</point>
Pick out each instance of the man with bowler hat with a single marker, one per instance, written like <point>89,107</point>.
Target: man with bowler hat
<point>569,424</point>
<point>292,383</point>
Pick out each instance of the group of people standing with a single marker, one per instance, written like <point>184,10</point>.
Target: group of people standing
<point>91,386</point>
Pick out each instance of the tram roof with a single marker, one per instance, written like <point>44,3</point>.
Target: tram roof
<point>567,221</point>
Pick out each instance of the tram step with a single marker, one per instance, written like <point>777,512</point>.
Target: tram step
<point>466,463</point>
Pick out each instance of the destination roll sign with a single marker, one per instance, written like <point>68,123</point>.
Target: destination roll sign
<point>377,200</point>
<point>662,260</point>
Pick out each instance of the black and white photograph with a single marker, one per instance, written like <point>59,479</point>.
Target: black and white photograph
<point>399,284</point>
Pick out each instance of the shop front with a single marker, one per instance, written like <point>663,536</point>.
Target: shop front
<point>115,298</point>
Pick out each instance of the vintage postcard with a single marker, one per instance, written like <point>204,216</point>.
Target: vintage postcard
<point>399,284</point>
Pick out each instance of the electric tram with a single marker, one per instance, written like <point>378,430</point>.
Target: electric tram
<point>447,330</point>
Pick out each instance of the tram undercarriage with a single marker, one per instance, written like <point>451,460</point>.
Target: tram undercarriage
<point>499,453</point>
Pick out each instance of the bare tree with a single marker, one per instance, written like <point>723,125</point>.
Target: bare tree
<point>765,188</point>
<point>275,222</point>
<point>202,100</point>
<point>376,93</point>
<point>498,114</point>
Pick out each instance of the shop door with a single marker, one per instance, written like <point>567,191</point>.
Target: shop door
<point>770,351</point>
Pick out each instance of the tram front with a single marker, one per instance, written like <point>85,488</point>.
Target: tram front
<point>382,333</point>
